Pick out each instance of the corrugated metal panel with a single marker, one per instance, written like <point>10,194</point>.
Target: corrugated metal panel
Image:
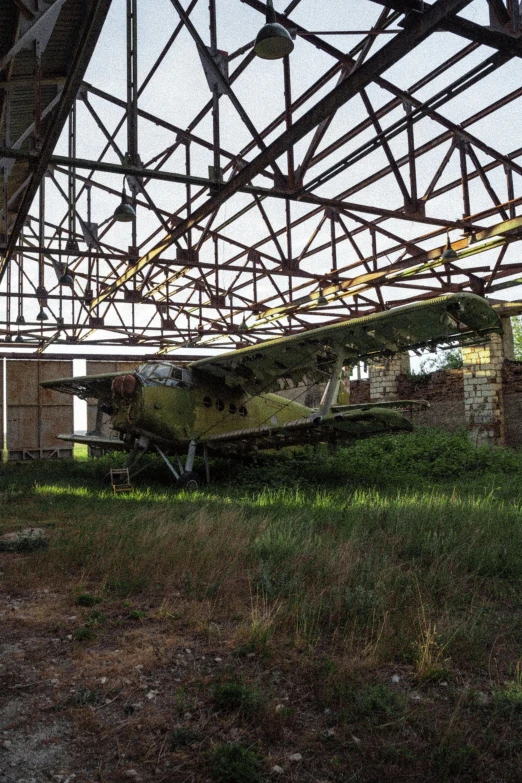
<point>100,424</point>
<point>64,58</point>
<point>35,416</point>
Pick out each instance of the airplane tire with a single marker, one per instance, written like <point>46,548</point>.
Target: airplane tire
<point>189,482</point>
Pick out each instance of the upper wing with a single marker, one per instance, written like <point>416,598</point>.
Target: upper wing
<point>98,386</point>
<point>452,319</point>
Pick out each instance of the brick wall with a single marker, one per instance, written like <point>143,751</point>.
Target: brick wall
<point>483,391</point>
<point>444,390</point>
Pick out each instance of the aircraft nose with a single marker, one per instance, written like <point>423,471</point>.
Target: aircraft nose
<point>124,386</point>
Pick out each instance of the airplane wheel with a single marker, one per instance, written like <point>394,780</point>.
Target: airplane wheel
<point>189,482</point>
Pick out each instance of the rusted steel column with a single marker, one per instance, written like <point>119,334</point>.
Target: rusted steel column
<point>384,377</point>
<point>483,394</point>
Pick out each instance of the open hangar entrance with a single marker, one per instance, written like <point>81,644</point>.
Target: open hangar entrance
<point>167,190</point>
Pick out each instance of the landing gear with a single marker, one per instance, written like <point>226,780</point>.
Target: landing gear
<point>185,477</point>
<point>189,482</point>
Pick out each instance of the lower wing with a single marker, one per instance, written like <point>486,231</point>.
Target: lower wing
<point>94,440</point>
<point>346,425</point>
<point>409,405</point>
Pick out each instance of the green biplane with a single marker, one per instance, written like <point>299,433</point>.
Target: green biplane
<point>229,404</point>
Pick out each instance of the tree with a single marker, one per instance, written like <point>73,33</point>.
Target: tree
<point>444,360</point>
<point>516,325</point>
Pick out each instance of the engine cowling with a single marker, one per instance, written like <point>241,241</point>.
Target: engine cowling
<point>124,386</point>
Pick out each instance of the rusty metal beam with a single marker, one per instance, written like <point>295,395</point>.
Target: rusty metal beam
<point>389,54</point>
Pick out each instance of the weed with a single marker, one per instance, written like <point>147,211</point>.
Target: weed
<point>182,737</point>
<point>235,764</point>
<point>373,704</point>
<point>455,759</point>
<point>257,632</point>
<point>232,696</point>
<point>183,703</point>
<point>86,599</point>
<point>137,614</point>
<point>84,697</point>
<point>96,619</point>
<point>509,699</point>
<point>84,635</point>
<point>128,585</point>
<point>429,659</point>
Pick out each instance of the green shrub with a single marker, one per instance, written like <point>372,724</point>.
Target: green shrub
<point>509,700</point>
<point>235,764</point>
<point>84,635</point>
<point>455,760</point>
<point>85,599</point>
<point>412,459</point>
<point>182,737</point>
<point>232,696</point>
<point>137,614</point>
<point>373,704</point>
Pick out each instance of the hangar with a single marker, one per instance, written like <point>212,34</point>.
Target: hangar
<point>187,178</point>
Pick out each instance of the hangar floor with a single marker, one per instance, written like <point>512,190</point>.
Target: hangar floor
<point>244,630</point>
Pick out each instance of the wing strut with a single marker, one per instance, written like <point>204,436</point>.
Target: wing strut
<point>167,462</point>
<point>332,387</point>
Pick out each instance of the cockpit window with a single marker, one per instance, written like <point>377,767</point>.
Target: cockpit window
<point>165,373</point>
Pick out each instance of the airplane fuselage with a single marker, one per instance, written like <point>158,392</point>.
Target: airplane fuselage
<point>190,410</point>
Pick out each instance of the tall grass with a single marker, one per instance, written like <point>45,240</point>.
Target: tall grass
<point>409,569</point>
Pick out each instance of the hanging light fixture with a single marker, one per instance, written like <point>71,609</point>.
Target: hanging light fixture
<point>19,338</point>
<point>66,279</point>
<point>64,274</point>
<point>449,254</point>
<point>322,299</point>
<point>273,41</point>
<point>124,212</point>
<point>242,326</point>
<point>42,315</point>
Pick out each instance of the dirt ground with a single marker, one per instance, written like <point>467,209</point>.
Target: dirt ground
<point>104,708</point>
<point>124,690</point>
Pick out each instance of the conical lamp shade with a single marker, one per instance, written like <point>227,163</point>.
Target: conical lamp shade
<point>42,316</point>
